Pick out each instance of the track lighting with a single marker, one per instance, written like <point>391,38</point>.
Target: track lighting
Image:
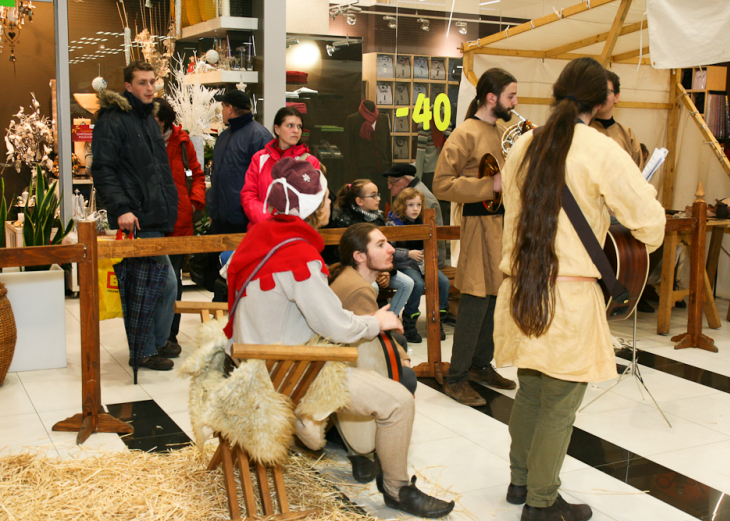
<point>461,26</point>
<point>339,44</point>
<point>424,24</point>
<point>351,19</point>
<point>391,21</point>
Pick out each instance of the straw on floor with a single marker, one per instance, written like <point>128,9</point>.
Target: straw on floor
<point>135,485</point>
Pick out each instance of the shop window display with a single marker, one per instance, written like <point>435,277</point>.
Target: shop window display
<point>403,67</point>
<point>385,66</point>
<point>401,94</point>
<point>420,68</point>
<point>385,94</point>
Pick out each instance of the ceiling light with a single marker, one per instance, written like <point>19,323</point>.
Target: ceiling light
<point>330,50</point>
<point>339,44</point>
<point>489,2</point>
<point>424,24</point>
<point>391,21</point>
<point>351,19</point>
<point>291,41</point>
<point>461,26</point>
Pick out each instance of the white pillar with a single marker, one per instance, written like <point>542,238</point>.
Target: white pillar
<point>63,104</point>
<point>273,52</point>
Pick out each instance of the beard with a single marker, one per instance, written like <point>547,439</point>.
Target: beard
<point>502,112</point>
<point>385,267</point>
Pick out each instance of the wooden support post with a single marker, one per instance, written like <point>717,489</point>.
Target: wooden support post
<point>671,144</point>
<point>615,32</point>
<point>433,320</point>
<point>666,289</point>
<point>694,337</point>
<point>91,419</point>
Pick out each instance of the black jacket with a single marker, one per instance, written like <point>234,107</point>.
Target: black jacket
<point>130,168</point>
<point>231,157</point>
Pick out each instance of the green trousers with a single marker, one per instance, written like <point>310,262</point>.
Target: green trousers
<point>540,426</point>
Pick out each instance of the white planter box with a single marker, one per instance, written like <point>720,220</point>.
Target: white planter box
<point>37,298</point>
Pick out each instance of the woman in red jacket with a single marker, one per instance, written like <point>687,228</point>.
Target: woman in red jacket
<point>189,199</point>
<point>288,124</point>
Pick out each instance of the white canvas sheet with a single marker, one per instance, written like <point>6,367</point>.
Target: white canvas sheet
<point>687,33</point>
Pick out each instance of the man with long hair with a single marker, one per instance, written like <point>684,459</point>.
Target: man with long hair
<point>477,273</point>
<point>550,320</point>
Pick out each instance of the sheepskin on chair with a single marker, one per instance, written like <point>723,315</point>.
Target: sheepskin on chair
<point>245,408</point>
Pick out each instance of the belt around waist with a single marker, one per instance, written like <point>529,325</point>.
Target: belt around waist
<point>577,279</point>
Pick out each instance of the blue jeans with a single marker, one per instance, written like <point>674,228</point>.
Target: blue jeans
<point>419,285</point>
<point>403,287</point>
<point>165,310</point>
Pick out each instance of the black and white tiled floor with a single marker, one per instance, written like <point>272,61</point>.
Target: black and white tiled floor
<point>623,460</point>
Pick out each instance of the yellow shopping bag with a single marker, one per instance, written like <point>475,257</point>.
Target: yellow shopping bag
<point>110,306</point>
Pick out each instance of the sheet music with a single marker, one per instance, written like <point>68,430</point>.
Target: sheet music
<point>655,161</point>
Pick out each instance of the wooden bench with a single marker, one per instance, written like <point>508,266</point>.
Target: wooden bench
<point>205,309</point>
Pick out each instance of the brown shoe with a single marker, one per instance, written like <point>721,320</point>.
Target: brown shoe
<point>462,392</point>
<point>490,377</point>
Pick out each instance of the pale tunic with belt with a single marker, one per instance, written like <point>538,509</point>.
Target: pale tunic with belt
<point>577,346</point>
<point>456,180</point>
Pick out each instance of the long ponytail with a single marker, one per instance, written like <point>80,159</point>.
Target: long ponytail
<point>581,87</point>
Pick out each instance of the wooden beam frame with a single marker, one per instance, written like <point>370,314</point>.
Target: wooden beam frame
<point>616,58</point>
<point>671,144</point>
<point>704,129</point>
<point>623,104</point>
<point>534,24</point>
<point>630,57</point>
<point>615,31</point>
<point>585,42</point>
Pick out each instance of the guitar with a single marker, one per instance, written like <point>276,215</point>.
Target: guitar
<point>629,259</point>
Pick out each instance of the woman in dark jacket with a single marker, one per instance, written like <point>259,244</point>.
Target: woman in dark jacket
<point>189,199</point>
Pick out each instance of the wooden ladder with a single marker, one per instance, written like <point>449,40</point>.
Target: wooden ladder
<point>292,370</point>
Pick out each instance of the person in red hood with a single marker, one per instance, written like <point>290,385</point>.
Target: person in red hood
<point>288,124</point>
<point>182,157</point>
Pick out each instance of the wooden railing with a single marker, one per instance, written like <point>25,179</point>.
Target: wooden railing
<point>89,251</point>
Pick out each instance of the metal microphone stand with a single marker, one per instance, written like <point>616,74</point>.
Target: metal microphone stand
<point>632,370</point>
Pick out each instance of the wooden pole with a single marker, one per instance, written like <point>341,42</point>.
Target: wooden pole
<point>615,32</point>
<point>433,319</point>
<point>672,126</point>
<point>694,337</point>
<point>91,419</point>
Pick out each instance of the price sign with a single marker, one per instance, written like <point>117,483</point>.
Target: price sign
<point>422,111</point>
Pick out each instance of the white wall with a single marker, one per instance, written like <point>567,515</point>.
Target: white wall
<point>307,16</point>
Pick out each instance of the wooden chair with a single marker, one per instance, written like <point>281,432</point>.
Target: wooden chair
<point>292,370</point>
<point>204,309</point>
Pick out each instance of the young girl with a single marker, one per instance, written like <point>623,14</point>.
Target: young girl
<point>408,260</point>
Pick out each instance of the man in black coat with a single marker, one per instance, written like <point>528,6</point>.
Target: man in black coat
<point>232,154</point>
<point>132,175</point>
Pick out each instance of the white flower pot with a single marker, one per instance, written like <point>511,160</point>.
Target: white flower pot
<point>38,302</point>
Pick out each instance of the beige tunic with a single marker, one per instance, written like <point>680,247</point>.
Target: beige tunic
<point>626,139</point>
<point>455,180</point>
<point>577,346</point>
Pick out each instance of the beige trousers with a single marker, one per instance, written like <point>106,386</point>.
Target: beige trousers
<point>393,408</point>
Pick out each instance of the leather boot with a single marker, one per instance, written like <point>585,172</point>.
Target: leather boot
<point>415,502</point>
<point>409,328</point>
<point>489,377</point>
<point>516,494</point>
<point>463,393</point>
<point>558,511</point>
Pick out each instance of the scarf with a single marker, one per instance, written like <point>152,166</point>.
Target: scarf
<point>139,106</point>
<point>293,257</point>
<point>437,136</point>
<point>367,130</point>
<point>367,215</point>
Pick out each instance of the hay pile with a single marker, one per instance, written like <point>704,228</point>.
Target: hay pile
<point>135,485</point>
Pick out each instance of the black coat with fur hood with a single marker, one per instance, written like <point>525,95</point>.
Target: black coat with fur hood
<point>130,168</point>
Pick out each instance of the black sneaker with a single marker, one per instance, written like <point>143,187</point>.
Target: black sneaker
<point>558,511</point>
<point>155,363</point>
<point>169,350</point>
